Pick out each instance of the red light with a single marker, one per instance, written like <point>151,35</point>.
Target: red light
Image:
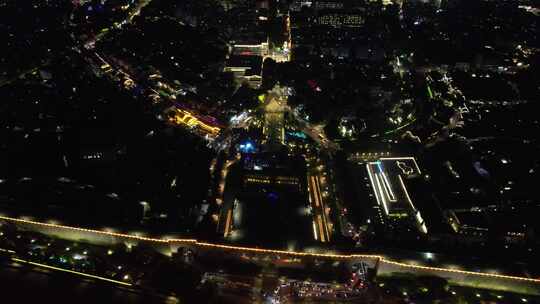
<point>312,84</point>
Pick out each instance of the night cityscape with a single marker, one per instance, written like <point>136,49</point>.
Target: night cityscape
<point>270,151</point>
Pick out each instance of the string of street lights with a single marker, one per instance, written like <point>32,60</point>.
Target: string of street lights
<point>194,242</point>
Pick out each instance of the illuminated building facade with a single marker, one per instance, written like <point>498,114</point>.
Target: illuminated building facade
<point>269,205</point>
<point>388,182</point>
<point>339,19</point>
<point>273,170</point>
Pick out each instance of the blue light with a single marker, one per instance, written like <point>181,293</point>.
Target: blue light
<point>247,147</point>
<point>273,196</point>
<point>297,134</point>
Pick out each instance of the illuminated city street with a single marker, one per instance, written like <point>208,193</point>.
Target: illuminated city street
<point>263,151</point>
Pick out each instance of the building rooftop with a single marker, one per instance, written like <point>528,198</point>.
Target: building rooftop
<point>250,63</point>
<point>387,177</point>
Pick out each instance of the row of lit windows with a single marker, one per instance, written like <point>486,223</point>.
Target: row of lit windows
<point>267,180</point>
<point>258,180</point>
<point>96,155</point>
<point>339,20</point>
<point>287,182</point>
<point>286,178</point>
<point>329,5</point>
<point>398,215</point>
